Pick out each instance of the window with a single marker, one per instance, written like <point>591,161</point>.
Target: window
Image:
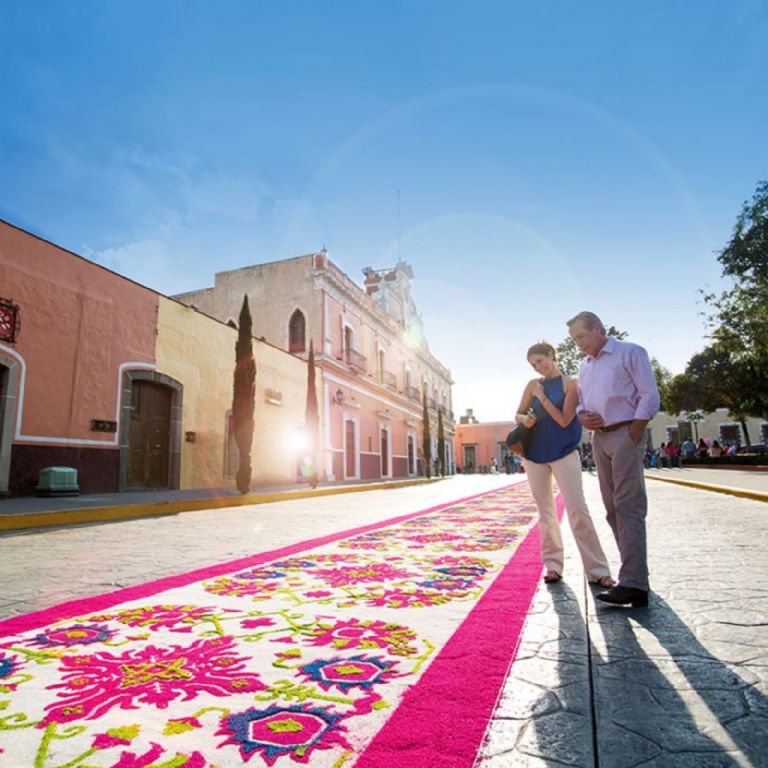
<point>297,333</point>
<point>348,341</point>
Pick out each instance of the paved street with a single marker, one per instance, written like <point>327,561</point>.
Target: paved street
<point>684,683</point>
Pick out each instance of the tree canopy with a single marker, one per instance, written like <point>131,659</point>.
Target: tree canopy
<point>732,372</point>
<point>738,316</point>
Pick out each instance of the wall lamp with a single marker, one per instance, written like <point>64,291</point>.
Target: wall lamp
<point>338,397</point>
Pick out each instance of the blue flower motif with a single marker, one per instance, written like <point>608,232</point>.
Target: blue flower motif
<point>277,731</point>
<point>294,564</point>
<point>471,571</point>
<point>350,672</point>
<point>259,574</point>
<point>8,666</point>
<point>448,585</point>
<point>75,634</point>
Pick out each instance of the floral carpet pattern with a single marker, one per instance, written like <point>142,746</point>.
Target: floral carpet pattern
<point>296,657</point>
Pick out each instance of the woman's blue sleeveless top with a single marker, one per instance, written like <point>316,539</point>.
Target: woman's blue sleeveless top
<point>551,441</point>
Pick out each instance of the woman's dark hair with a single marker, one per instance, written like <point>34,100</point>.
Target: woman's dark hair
<point>542,348</point>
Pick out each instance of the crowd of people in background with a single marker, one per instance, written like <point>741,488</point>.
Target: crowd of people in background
<point>669,455</point>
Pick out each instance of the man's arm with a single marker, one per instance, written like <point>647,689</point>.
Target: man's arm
<point>641,372</point>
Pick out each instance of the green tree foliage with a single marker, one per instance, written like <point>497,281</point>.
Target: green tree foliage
<point>663,378</point>
<point>738,319</point>
<point>715,378</point>
<point>569,356</point>
<point>311,418</point>
<point>244,396</point>
<point>441,442</point>
<point>426,439</point>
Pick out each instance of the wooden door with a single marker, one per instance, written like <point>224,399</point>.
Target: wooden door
<point>149,441</point>
<point>350,449</point>
<point>384,453</point>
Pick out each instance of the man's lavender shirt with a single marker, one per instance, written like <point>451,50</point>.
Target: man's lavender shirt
<point>619,383</point>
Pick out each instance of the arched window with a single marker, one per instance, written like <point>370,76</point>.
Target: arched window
<point>297,333</point>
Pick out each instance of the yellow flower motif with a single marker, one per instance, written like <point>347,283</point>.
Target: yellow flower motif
<point>125,732</point>
<point>285,726</point>
<point>176,727</point>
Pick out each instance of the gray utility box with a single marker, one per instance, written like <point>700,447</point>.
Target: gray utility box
<point>57,481</point>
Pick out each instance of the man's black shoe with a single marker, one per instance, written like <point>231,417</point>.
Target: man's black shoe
<point>637,598</point>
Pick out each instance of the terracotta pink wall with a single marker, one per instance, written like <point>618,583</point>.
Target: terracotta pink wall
<point>485,438</point>
<point>79,322</point>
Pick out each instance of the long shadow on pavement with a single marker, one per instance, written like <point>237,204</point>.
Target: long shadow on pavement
<point>662,699</point>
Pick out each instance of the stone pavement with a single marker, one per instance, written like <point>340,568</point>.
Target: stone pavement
<point>683,683</point>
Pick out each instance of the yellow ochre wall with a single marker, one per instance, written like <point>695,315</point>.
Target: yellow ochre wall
<point>199,352</point>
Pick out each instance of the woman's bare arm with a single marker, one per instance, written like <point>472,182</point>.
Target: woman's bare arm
<point>565,416</point>
<point>522,417</point>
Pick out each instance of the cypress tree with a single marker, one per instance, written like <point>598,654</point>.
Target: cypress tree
<point>426,443</point>
<point>441,442</point>
<point>312,418</point>
<point>244,397</point>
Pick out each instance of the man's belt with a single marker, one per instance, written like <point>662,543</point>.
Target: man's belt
<point>614,427</point>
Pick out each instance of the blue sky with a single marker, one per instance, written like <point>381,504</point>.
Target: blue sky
<point>551,159</point>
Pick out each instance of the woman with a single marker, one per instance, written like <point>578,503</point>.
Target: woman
<point>552,452</point>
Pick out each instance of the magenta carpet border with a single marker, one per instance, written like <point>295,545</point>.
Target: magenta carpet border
<point>439,723</point>
<point>74,608</point>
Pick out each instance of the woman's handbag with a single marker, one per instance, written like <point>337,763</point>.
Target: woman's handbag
<point>519,439</point>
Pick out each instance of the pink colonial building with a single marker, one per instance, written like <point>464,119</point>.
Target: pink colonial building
<point>370,352</point>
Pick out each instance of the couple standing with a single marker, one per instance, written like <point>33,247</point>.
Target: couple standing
<point>615,397</point>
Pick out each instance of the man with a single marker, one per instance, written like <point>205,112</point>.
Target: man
<point>688,449</point>
<point>618,397</point>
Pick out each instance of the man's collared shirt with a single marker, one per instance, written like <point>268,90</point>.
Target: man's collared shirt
<point>618,383</point>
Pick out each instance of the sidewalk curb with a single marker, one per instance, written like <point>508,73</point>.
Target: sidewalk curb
<point>161,508</point>
<point>727,489</point>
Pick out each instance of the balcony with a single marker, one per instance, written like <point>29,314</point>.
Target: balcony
<point>388,379</point>
<point>413,393</point>
<point>356,360</point>
<point>431,404</point>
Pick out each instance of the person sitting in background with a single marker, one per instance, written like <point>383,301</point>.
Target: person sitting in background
<point>688,449</point>
<point>732,450</point>
<point>661,453</point>
<point>715,451</point>
<point>702,449</point>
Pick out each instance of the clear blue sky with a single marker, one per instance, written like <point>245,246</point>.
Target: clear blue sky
<point>551,159</point>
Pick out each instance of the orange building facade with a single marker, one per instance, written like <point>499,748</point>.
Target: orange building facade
<point>476,444</point>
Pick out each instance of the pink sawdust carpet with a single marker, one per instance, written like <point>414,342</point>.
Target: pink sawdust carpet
<point>379,646</point>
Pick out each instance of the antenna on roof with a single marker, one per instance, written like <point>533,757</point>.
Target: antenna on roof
<point>399,254</point>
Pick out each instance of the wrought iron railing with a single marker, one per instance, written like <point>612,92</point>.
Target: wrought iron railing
<point>356,360</point>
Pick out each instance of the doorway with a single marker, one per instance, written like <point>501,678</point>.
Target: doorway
<point>385,471</point>
<point>350,449</point>
<point>150,425</point>
<point>150,436</point>
<point>470,458</point>
<point>9,383</point>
